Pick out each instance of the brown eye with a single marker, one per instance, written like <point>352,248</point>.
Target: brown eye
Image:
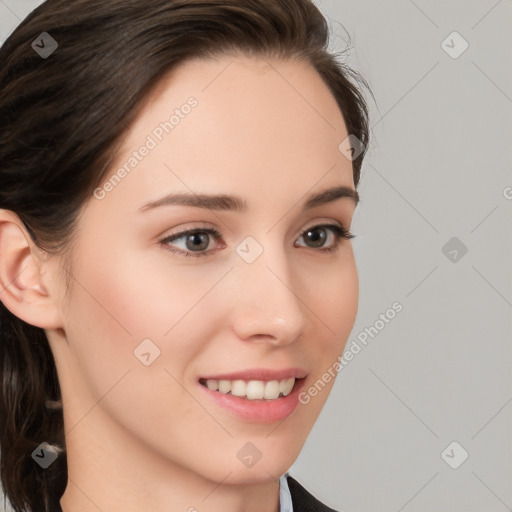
<point>317,235</point>
<point>196,241</point>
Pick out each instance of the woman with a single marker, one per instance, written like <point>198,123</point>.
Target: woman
<point>177,184</point>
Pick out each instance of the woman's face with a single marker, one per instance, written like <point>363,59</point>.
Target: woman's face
<point>149,330</point>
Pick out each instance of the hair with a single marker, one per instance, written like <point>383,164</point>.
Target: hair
<point>63,118</point>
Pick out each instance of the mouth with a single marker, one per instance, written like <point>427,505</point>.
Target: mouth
<point>256,395</point>
<point>263,390</point>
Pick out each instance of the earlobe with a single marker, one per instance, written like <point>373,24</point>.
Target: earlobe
<point>24,279</point>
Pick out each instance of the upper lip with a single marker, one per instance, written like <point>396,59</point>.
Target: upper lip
<point>264,374</point>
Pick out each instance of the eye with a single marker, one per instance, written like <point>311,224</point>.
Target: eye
<point>196,241</point>
<point>317,235</point>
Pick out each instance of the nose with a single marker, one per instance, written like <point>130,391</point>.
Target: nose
<point>269,306</point>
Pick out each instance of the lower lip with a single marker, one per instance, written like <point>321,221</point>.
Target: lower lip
<point>264,411</point>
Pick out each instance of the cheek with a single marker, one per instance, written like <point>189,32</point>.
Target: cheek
<point>114,306</point>
<point>337,310</point>
<point>118,301</point>
<point>337,304</point>
<point>333,298</point>
<point>348,301</point>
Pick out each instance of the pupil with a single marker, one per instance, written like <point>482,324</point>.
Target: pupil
<point>196,244</point>
<point>320,238</point>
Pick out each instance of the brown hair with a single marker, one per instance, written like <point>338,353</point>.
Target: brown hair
<point>62,119</point>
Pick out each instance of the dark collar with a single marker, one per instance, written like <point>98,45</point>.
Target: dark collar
<point>303,501</point>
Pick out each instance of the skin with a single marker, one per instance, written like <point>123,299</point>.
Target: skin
<point>146,437</point>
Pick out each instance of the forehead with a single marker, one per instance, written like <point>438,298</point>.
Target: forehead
<point>256,125</point>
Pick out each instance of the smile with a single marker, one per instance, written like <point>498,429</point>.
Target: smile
<point>252,389</point>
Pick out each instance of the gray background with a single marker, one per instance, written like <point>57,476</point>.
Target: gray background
<point>438,167</point>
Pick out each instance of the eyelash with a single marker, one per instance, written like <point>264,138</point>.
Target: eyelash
<point>340,234</point>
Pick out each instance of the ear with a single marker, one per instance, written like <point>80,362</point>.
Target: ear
<point>27,279</point>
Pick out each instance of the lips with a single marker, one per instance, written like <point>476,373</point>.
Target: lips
<point>264,374</point>
<point>257,395</point>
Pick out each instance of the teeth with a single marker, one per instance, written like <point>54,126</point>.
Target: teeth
<point>212,384</point>
<point>272,389</point>
<point>253,389</point>
<point>238,387</point>
<point>286,386</point>
<point>224,386</point>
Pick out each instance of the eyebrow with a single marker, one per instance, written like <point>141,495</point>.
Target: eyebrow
<point>234,203</point>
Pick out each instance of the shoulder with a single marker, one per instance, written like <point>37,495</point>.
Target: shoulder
<point>303,501</point>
